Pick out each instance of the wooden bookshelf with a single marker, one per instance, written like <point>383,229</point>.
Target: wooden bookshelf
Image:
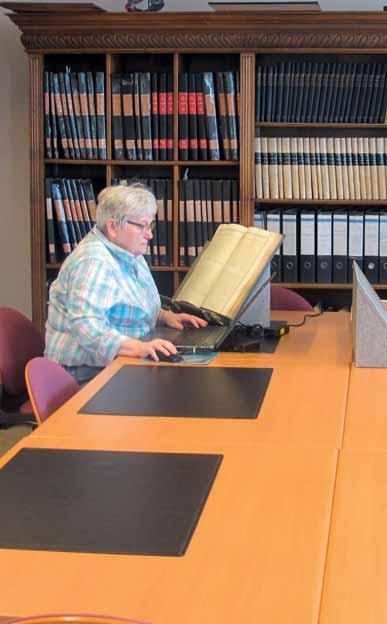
<point>113,40</point>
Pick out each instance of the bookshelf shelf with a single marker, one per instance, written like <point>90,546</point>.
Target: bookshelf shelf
<point>324,202</point>
<point>182,43</point>
<point>143,163</point>
<point>334,126</point>
<point>303,286</point>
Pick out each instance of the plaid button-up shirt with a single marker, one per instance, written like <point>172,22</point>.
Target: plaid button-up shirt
<point>102,295</point>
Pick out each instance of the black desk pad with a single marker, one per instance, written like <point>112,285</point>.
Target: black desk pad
<point>102,501</point>
<point>182,391</point>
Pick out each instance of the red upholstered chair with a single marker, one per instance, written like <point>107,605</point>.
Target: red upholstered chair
<point>74,618</point>
<point>19,342</point>
<point>49,386</point>
<point>285,299</point>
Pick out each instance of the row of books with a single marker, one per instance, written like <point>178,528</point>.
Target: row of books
<point>209,116</point>
<point>325,92</point>
<point>319,245</point>
<point>203,206</point>
<point>321,168</point>
<point>70,215</point>
<point>160,250</point>
<point>74,115</point>
<point>142,122</point>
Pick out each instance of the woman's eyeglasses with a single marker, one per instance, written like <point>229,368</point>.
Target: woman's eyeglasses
<point>141,226</point>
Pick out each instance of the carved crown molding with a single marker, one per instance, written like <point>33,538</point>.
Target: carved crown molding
<point>208,40</point>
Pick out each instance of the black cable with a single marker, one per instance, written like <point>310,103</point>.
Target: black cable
<point>304,319</point>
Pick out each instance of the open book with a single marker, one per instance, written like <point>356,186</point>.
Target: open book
<point>228,268</point>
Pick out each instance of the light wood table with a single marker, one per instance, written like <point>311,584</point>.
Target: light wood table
<point>257,554</point>
<point>297,410</point>
<point>356,575</point>
<point>366,420</point>
<point>325,339</point>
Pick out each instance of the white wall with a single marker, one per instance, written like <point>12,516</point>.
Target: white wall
<point>15,276</point>
<point>15,279</point>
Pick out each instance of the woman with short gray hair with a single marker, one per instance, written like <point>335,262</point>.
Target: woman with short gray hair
<point>104,299</point>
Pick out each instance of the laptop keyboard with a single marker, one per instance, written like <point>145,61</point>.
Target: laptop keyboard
<point>203,337</point>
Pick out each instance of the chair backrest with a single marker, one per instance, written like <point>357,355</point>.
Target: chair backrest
<point>49,385</point>
<point>286,299</point>
<point>73,618</point>
<point>19,342</point>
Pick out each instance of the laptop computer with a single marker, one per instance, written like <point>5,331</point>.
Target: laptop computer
<point>206,339</point>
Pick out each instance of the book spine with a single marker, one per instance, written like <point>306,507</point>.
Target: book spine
<point>70,108</point>
<point>47,122</point>
<point>307,167</point>
<point>77,205</point>
<point>190,223</point>
<point>344,169</point>
<point>222,116</point>
<point>358,82</point>
<point>381,167</point>
<point>258,168</point>
<point>90,200</point>
<point>100,110</point>
<point>265,167</point>
<point>169,209</point>
<point>192,118</point>
<point>204,213</point>
<point>137,115</point>
<point>77,113</point>
<point>74,215</point>
<point>301,167</point>
<point>201,113</point>
<point>54,126</point>
<point>160,193</point>
<point>59,116</point>
<point>129,131</point>
<point>117,126</point>
<point>83,203</point>
<point>182,228</point>
<point>66,117</point>
<point>367,169</point>
<point>69,217</point>
<point>211,117</point>
<point>331,166</point>
<point>145,105</point>
<point>286,167</point>
<point>163,116</point>
<point>217,211</point>
<point>52,250</point>
<point>348,160</point>
<point>231,89</point>
<point>169,117</point>
<point>183,116</point>
<point>60,218</point>
<point>338,177</point>
<point>155,115</point>
<point>155,241</point>
<point>273,167</point>
<point>294,168</point>
<point>92,113</point>
<point>280,92</point>
<point>85,114</point>
<point>198,216</point>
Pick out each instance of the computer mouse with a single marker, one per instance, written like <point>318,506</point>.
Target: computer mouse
<point>173,358</point>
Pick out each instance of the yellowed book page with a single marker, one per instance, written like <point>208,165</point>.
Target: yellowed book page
<point>209,265</point>
<point>245,265</point>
